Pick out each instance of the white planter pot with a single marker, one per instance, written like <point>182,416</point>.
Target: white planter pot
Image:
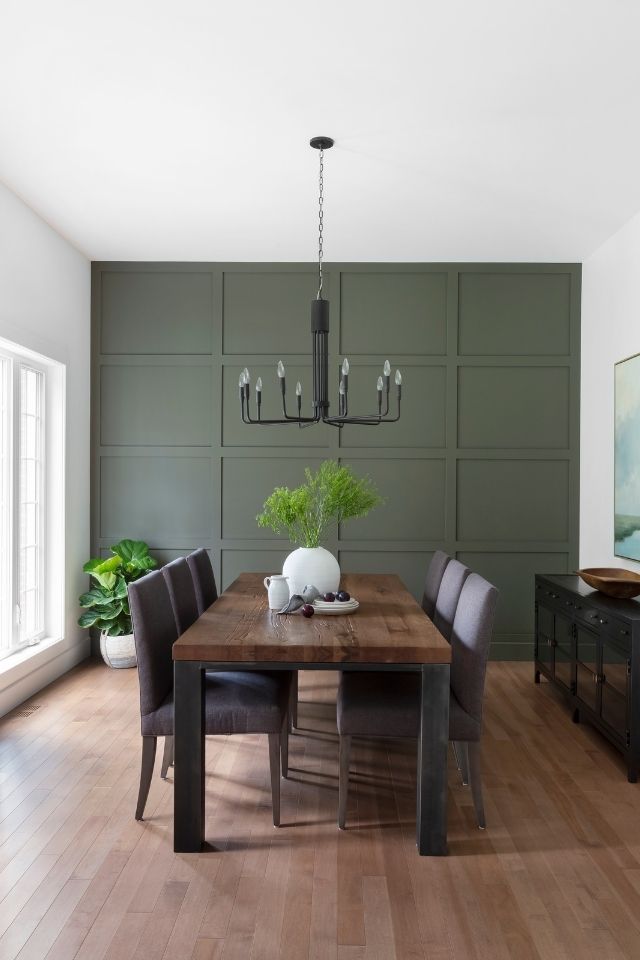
<point>118,652</point>
<point>312,565</point>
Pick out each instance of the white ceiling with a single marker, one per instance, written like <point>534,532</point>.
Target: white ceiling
<point>149,129</point>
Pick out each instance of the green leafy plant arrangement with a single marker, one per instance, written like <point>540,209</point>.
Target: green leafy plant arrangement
<point>331,495</point>
<point>107,604</point>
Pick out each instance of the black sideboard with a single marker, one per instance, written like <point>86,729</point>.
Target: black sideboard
<point>588,646</point>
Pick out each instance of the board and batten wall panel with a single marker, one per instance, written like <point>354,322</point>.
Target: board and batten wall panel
<point>483,463</point>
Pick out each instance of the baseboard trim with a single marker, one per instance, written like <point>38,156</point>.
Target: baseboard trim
<point>511,650</point>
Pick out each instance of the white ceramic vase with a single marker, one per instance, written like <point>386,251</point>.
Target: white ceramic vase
<point>118,652</point>
<point>312,565</point>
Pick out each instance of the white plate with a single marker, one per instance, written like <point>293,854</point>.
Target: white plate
<point>337,607</point>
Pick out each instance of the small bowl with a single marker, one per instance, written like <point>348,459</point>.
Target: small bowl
<point>614,581</point>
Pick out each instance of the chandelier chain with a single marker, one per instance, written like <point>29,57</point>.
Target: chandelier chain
<point>320,223</point>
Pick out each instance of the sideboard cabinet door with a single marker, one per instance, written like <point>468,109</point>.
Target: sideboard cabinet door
<point>544,637</point>
<point>587,673</point>
<point>614,682</point>
<point>563,651</point>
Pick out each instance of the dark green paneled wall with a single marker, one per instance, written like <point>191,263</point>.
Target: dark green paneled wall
<point>484,462</point>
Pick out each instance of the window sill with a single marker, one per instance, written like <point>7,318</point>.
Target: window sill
<point>26,655</point>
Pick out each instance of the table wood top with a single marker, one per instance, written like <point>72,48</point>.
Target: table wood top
<point>389,627</point>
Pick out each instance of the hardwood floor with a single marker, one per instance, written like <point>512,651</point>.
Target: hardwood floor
<point>556,874</point>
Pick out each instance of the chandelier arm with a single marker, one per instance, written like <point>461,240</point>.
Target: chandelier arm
<point>354,421</point>
<point>308,421</point>
<point>304,421</point>
<point>361,421</point>
<point>288,417</point>
<point>366,419</point>
<point>247,418</point>
<point>266,423</point>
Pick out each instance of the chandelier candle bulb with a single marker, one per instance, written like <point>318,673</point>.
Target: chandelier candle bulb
<point>245,373</point>
<point>298,389</point>
<point>380,385</point>
<point>387,369</point>
<point>345,367</point>
<point>259,385</point>
<point>398,379</point>
<point>281,369</point>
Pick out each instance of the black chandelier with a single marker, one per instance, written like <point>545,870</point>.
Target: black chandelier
<point>320,347</point>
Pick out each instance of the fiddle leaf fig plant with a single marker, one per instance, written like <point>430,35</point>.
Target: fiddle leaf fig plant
<point>106,604</point>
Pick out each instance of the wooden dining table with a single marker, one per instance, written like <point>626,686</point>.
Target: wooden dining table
<point>389,631</point>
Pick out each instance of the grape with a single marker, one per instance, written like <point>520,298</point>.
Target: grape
<point>329,597</point>
<point>307,610</point>
<point>343,596</point>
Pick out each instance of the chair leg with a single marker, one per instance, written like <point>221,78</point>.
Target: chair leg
<point>293,701</point>
<point>473,750</point>
<point>284,745</point>
<point>343,780</point>
<point>167,757</point>
<point>462,758</point>
<point>456,755</point>
<point>274,765</point>
<point>146,772</point>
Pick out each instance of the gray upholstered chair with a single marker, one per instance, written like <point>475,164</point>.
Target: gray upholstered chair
<point>432,581</point>
<point>388,704</point>
<point>236,702</point>
<point>451,585</point>
<point>204,580</point>
<point>182,592</point>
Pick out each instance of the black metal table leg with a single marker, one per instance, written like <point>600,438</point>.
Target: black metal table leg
<point>188,787</point>
<point>432,760</point>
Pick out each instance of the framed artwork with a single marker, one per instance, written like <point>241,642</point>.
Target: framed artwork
<point>627,459</point>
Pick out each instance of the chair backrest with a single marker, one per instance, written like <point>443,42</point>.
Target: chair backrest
<point>470,642</point>
<point>453,579</point>
<point>182,592</point>
<point>204,580</point>
<point>433,580</point>
<point>154,633</point>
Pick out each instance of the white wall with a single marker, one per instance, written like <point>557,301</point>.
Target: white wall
<point>610,332</point>
<point>45,288</point>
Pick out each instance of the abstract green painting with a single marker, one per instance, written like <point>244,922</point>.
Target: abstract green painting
<point>627,458</point>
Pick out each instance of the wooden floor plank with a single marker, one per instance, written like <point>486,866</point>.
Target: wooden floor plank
<point>556,875</point>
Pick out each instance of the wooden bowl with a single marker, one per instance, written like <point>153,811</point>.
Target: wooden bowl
<point>614,581</point>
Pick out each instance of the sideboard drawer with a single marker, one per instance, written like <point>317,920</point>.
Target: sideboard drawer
<point>603,622</point>
<point>556,598</point>
<point>590,615</point>
<point>618,630</point>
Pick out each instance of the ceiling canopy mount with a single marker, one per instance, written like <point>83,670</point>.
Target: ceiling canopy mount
<point>321,143</point>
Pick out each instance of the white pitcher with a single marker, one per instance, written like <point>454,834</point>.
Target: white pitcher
<point>278,590</point>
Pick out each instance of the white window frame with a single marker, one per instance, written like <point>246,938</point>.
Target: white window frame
<point>50,500</point>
